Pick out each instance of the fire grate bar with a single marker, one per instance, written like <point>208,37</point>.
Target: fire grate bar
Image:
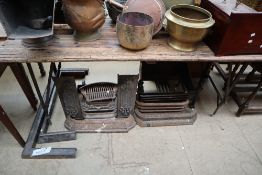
<point>98,92</point>
<point>103,106</point>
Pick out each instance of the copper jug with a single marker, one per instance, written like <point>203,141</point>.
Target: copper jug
<point>86,17</point>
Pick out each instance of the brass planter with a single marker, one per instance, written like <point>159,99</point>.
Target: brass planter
<point>85,16</point>
<point>187,25</point>
<point>170,3</point>
<point>134,30</point>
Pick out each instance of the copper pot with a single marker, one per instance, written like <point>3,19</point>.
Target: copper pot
<point>85,16</point>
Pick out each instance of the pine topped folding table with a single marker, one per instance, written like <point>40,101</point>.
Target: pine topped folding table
<point>63,48</point>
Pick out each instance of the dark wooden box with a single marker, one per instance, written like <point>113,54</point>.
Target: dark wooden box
<point>239,33</point>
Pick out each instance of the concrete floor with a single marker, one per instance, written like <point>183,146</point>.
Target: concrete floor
<point>223,144</point>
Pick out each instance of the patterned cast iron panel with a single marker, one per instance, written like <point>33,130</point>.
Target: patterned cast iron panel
<point>126,94</point>
<point>68,95</point>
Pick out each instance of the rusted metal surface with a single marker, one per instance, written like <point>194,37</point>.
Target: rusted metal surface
<point>110,125</point>
<point>166,106</point>
<point>186,117</point>
<point>175,98</point>
<point>100,106</point>
<point>163,104</point>
<point>161,107</point>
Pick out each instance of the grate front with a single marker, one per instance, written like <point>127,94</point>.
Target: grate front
<point>98,92</point>
<point>98,100</point>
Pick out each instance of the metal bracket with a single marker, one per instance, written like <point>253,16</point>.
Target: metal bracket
<point>38,132</point>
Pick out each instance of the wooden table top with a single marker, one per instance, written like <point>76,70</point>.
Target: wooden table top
<point>64,48</point>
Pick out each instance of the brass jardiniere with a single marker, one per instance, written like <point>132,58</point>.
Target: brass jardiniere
<point>187,25</point>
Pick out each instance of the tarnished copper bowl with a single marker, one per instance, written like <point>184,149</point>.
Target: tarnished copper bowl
<point>134,30</point>
<point>85,16</point>
<point>155,8</point>
<point>187,25</point>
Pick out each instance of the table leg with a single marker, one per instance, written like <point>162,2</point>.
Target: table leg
<point>42,69</point>
<point>31,72</point>
<point>236,78</point>
<point>2,68</point>
<point>230,80</point>
<point>221,100</point>
<point>219,96</point>
<point>10,126</point>
<point>243,106</point>
<point>201,82</point>
<point>19,72</point>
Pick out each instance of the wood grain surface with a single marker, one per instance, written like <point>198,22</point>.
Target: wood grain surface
<point>64,48</point>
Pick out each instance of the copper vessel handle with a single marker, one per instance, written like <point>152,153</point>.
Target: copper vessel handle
<point>164,24</point>
<point>124,7</point>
